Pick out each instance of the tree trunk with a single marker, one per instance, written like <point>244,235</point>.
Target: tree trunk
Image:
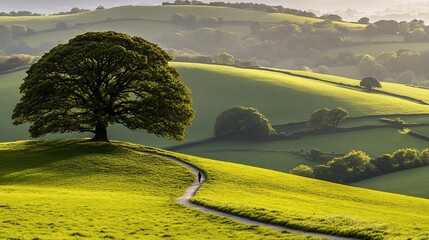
<point>100,134</point>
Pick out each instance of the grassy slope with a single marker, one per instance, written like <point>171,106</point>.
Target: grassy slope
<point>410,182</point>
<point>417,93</point>
<point>69,189</point>
<point>278,155</point>
<point>280,97</point>
<point>161,13</point>
<point>310,204</point>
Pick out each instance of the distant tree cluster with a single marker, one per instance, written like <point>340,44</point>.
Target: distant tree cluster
<point>243,122</point>
<point>333,17</point>
<point>193,21</point>
<point>204,40</point>
<point>73,11</point>
<point>357,165</point>
<point>20,13</point>
<point>8,63</point>
<point>247,6</point>
<point>9,32</point>
<point>414,31</point>
<point>406,66</point>
<point>274,41</point>
<point>327,118</point>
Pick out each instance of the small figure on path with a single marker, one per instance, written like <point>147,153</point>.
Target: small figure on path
<point>199,176</point>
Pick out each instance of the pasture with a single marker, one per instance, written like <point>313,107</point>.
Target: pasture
<point>68,189</point>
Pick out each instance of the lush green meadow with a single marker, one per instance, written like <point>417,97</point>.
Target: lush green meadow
<point>119,193</point>
<point>282,98</point>
<point>279,155</point>
<point>411,182</point>
<point>71,189</point>
<point>304,203</point>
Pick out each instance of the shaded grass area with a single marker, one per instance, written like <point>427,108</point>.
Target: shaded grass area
<point>68,189</point>
<point>410,182</point>
<point>309,204</point>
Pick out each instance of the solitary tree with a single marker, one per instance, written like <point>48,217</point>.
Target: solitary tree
<point>370,83</point>
<point>243,122</point>
<point>101,78</point>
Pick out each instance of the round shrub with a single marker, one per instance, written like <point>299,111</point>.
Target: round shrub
<point>243,122</point>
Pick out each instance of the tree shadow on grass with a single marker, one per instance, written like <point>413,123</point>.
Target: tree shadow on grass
<point>25,155</point>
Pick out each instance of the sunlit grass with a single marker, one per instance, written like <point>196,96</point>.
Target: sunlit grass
<point>310,204</point>
<point>162,13</point>
<point>72,189</point>
<point>412,182</point>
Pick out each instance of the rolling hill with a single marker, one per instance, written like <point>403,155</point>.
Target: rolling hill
<point>281,97</point>
<point>70,189</point>
<point>410,182</point>
<point>44,183</point>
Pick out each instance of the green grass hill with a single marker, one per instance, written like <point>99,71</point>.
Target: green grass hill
<point>71,189</point>
<point>119,193</point>
<point>410,182</point>
<point>161,13</point>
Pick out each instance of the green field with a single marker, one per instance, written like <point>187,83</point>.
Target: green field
<point>305,203</point>
<point>411,182</point>
<point>119,193</point>
<point>276,95</point>
<point>70,189</point>
<point>161,13</point>
<point>400,89</point>
<point>278,155</point>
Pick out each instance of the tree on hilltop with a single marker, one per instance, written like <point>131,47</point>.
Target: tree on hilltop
<point>101,78</point>
<point>370,83</point>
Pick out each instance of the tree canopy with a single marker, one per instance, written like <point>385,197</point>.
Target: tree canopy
<point>101,78</point>
<point>370,83</point>
<point>243,122</point>
<point>327,118</point>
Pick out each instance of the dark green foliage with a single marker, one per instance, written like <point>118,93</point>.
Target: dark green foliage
<point>302,170</point>
<point>349,168</point>
<point>318,119</point>
<point>357,165</point>
<point>243,122</point>
<point>99,79</point>
<point>332,17</point>
<point>370,83</point>
<point>388,27</point>
<point>363,20</point>
<point>326,118</point>
<point>316,154</point>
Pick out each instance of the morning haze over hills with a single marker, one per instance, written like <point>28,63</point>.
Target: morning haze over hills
<point>214,120</point>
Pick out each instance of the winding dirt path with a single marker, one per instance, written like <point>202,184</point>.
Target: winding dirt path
<point>191,190</point>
